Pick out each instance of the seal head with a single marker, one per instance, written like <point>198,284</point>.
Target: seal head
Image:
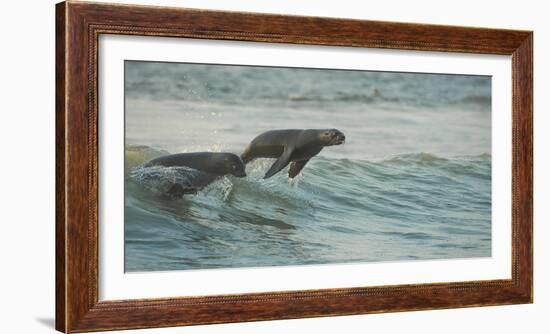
<point>332,137</point>
<point>232,164</point>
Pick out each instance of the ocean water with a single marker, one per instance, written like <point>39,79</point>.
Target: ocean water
<point>412,181</point>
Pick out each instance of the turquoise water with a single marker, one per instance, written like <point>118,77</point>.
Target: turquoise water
<point>412,181</point>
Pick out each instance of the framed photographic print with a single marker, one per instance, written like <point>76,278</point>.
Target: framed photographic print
<point>222,167</point>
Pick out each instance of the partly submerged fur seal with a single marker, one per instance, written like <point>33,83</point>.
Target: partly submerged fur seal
<point>206,167</point>
<point>291,146</point>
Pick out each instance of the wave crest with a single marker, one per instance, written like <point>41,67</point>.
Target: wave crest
<point>318,179</point>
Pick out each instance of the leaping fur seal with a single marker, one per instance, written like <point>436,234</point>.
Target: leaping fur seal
<point>210,166</point>
<point>295,146</point>
<point>211,162</point>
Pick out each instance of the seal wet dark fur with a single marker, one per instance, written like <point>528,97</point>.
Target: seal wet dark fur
<point>293,146</point>
<point>209,167</point>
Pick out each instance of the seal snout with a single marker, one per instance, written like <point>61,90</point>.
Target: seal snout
<point>239,168</point>
<point>337,137</point>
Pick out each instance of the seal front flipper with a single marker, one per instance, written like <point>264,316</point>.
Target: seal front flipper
<point>296,167</point>
<point>281,163</point>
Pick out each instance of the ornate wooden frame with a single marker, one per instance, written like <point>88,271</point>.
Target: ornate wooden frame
<point>78,25</point>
